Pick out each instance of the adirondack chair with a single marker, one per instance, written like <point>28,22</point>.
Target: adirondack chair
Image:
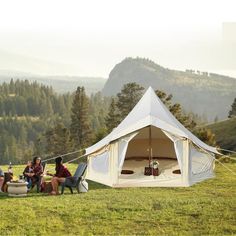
<point>73,182</point>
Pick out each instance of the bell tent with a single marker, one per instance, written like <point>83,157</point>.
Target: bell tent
<point>149,136</point>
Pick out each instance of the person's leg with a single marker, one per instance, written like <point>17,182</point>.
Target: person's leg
<point>39,182</point>
<point>43,184</point>
<point>28,180</point>
<point>1,183</point>
<point>60,180</point>
<point>54,183</point>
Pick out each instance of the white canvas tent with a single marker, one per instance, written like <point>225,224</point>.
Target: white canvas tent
<point>150,128</point>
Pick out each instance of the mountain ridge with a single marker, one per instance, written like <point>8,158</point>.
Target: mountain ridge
<point>61,83</point>
<point>207,94</point>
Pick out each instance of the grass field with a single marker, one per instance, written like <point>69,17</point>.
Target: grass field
<point>208,208</point>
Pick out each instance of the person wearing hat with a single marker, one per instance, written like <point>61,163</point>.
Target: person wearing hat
<point>59,177</point>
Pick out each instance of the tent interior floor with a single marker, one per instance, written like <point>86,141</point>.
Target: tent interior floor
<point>166,168</point>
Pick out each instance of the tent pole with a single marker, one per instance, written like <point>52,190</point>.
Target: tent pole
<point>150,145</point>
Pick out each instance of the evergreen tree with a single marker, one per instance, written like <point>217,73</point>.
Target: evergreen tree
<point>232,112</point>
<point>58,140</point>
<point>176,110</point>
<point>112,119</point>
<point>100,134</point>
<point>128,98</point>
<point>206,136</point>
<point>80,126</point>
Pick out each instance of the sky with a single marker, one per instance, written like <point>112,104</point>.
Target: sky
<point>88,38</point>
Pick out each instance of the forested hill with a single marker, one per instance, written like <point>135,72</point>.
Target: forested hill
<point>22,98</point>
<point>206,94</point>
<point>61,84</point>
<point>35,120</point>
<point>27,110</point>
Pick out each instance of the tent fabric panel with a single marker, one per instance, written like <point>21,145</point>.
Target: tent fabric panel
<point>202,162</point>
<point>179,148</point>
<point>99,168</point>
<point>122,148</point>
<point>114,163</point>
<point>100,163</point>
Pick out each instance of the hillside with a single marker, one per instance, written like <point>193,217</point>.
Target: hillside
<point>225,132</point>
<point>61,84</point>
<point>206,94</point>
<point>29,109</point>
<point>26,111</point>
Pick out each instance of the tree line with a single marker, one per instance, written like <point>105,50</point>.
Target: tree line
<point>76,123</point>
<point>25,129</point>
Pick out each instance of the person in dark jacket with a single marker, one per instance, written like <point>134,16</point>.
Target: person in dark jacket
<point>59,177</point>
<point>36,175</point>
<point>28,174</point>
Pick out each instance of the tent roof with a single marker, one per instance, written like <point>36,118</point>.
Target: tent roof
<point>149,111</point>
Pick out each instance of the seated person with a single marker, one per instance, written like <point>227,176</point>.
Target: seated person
<point>61,173</point>
<point>28,173</point>
<point>4,178</point>
<point>1,179</point>
<point>36,175</point>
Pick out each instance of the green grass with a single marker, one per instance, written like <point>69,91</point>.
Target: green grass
<point>207,208</point>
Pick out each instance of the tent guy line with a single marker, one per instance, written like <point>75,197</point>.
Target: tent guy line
<point>234,173</point>
<point>62,155</point>
<point>226,150</point>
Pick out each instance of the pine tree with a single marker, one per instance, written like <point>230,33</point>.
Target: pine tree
<point>58,140</point>
<point>112,119</point>
<point>128,98</point>
<point>206,136</point>
<point>187,120</point>
<point>232,112</point>
<point>176,110</point>
<point>80,127</point>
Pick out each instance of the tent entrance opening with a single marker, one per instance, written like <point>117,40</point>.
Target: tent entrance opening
<point>138,156</point>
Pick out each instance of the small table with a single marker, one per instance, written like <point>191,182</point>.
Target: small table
<point>151,171</point>
<point>17,189</point>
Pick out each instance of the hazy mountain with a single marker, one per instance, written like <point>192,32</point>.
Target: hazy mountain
<point>207,94</point>
<point>61,84</point>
